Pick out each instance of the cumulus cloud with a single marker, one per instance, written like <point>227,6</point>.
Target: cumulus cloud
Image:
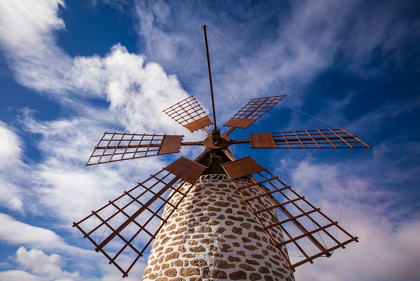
<point>124,80</point>
<point>39,263</point>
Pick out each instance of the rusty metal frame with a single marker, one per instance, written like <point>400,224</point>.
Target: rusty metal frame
<point>166,181</point>
<point>252,111</point>
<point>288,213</point>
<point>189,114</point>
<point>114,147</point>
<point>308,139</point>
<point>172,177</point>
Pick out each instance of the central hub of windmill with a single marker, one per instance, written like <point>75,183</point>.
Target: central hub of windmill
<point>216,141</point>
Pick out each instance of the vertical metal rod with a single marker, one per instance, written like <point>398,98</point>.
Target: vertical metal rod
<point>211,83</point>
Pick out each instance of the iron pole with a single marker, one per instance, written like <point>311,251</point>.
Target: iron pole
<point>211,83</point>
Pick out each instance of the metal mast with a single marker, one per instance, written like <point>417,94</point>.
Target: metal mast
<point>216,132</point>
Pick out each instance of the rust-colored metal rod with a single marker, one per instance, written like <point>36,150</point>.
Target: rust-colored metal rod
<point>287,220</point>
<point>136,214</point>
<point>228,132</point>
<point>290,216</point>
<point>229,155</point>
<point>211,83</point>
<point>146,145</point>
<point>320,254</point>
<point>278,205</point>
<point>307,234</point>
<point>356,138</point>
<point>296,139</point>
<point>264,194</point>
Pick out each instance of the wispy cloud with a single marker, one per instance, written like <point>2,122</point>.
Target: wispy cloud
<point>311,37</point>
<point>384,251</point>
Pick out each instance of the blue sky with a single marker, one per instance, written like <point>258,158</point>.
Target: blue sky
<point>70,70</point>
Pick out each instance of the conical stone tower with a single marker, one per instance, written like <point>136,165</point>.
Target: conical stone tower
<point>214,236</point>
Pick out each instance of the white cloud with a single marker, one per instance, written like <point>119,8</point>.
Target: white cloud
<point>39,263</point>
<point>384,252</point>
<point>13,275</point>
<point>318,35</point>
<point>12,170</point>
<point>18,233</point>
<point>11,146</point>
<point>27,37</point>
<point>65,189</point>
<point>123,79</point>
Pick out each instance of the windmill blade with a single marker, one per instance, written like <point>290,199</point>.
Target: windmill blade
<point>114,147</point>
<point>312,139</point>
<point>145,209</point>
<point>252,111</point>
<point>279,209</point>
<point>189,114</point>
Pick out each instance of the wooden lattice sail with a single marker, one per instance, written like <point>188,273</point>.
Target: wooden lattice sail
<point>189,114</point>
<point>119,219</point>
<point>113,147</point>
<point>289,212</point>
<point>253,111</point>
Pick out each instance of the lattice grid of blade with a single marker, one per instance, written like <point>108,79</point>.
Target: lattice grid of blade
<point>114,147</point>
<point>189,114</point>
<point>308,232</point>
<point>125,227</point>
<point>324,138</point>
<point>252,111</point>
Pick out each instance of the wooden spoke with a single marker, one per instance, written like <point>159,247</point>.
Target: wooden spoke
<point>306,139</point>
<point>252,111</point>
<point>189,114</point>
<point>309,233</point>
<point>134,218</point>
<point>114,147</point>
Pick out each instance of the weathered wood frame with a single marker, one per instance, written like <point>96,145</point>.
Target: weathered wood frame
<point>252,111</point>
<point>257,190</point>
<point>173,178</point>
<point>189,114</point>
<point>114,147</point>
<point>306,139</point>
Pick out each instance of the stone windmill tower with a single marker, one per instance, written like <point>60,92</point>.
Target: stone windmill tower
<point>216,217</point>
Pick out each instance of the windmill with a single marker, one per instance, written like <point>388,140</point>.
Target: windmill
<point>282,218</point>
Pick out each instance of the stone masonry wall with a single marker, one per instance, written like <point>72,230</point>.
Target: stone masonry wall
<point>214,236</point>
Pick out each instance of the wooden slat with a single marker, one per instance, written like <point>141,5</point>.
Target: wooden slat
<point>170,144</point>
<point>198,124</point>
<point>186,169</point>
<point>239,123</point>
<point>242,167</point>
<point>263,140</point>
